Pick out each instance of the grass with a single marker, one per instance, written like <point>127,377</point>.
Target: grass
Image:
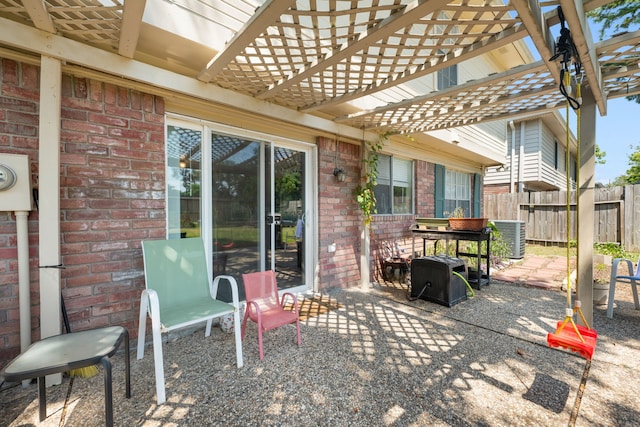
<point>603,249</point>
<point>242,236</point>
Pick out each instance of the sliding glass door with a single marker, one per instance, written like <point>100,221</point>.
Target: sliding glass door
<point>248,202</point>
<point>257,208</point>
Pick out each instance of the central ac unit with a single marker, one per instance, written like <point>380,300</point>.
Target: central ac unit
<point>513,233</point>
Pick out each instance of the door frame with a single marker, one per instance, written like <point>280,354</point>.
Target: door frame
<point>310,248</point>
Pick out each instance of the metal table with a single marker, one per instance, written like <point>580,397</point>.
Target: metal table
<point>63,353</point>
<point>474,236</point>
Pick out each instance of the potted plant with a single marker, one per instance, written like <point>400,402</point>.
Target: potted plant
<point>457,221</point>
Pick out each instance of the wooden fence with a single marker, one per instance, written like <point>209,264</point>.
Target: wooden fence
<point>616,218</point>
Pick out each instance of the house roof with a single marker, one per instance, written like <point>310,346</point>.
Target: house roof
<point>364,63</point>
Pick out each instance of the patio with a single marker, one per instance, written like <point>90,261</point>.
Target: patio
<point>377,360</point>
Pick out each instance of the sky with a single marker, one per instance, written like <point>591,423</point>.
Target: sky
<point>615,132</point>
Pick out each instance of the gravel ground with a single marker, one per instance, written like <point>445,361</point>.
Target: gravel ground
<point>378,360</point>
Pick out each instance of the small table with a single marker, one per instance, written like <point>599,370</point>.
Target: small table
<point>62,353</point>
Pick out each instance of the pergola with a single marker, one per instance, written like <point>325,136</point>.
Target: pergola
<point>358,64</point>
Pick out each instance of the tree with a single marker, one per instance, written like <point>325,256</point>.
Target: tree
<point>633,173</point>
<point>600,156</point>
<point>617,16</point>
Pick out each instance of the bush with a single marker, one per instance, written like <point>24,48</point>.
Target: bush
<point>613,249</point>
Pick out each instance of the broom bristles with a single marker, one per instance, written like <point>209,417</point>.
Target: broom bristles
<point>86,372</point>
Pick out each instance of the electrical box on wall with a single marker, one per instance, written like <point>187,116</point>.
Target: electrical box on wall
<point>15,182</point>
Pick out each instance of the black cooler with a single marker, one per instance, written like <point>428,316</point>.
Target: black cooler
<point>432,279</point>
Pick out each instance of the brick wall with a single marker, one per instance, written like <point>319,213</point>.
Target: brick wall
<point>339,216</point>
<point>112,196</point>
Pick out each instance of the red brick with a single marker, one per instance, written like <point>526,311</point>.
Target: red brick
<point>73,159</point>
<point>108,120</point>
<point>80,88</point>
<point>30,76</point>
<point>84,127</point>
<point>107,246</point>
<point>86,237</point>
<point>74,226</point>
<point>123,112</point>
<point>75,271</point>
<point>108,142</point>
<point>110,225</point>
<point>113,266</point>
<point>95,90</point>
<point>86,258</point>
<point>73,204</point>
<point>109,94</point>
<point>130,295</point>
<point>91,279</point>
<point>82,104</point>
<point>128,234</point>
<point>9,70</point>
<point>101,310</point>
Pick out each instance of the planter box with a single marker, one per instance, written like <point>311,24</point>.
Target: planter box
<point>468,224</point>
<point>437,223</point>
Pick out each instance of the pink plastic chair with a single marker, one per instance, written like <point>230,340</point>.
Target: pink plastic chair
<point>263,307</point>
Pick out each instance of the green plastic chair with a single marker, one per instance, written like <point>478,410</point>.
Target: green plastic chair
<point>180,293</point>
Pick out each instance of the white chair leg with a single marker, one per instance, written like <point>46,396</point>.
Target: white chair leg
<point>238,337</point>
<point>158,360</point>
<point>207,331</point>
<point>142,323</point>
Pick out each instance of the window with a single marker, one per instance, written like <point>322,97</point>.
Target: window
<point>455,189</point>
<point>394,192</point>
<point>457,192</point>
<point>448,77</point>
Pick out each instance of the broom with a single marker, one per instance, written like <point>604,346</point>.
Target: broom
<point>88,371</point>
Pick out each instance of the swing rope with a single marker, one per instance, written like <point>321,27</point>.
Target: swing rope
<point>571,311</point>
<point>581,339</point>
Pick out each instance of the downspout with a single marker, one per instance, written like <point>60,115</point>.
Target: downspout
<point>521,159</point>
<point>513,154</point>
<point>24,291</point>
<point>22,229</point>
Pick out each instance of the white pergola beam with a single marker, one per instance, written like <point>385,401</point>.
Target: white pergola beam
<point>37,10</point>
<point>130,29</point>
<point>533,20</point>
<point>614,43</point>
<point>265,15</point>
<point>576,20</point>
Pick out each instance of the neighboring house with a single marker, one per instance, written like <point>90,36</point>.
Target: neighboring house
<point>536,157</point>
